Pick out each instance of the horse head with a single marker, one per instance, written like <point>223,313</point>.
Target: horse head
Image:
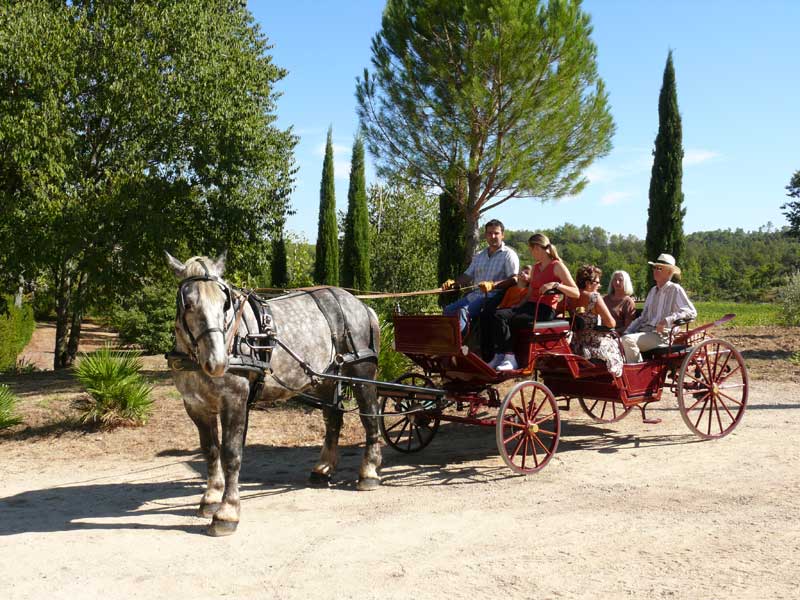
<point>204,312</point>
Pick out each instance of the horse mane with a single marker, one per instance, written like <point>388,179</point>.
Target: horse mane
<point>194,268</point>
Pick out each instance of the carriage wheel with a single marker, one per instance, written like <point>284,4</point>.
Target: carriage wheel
<point>407,424</point>
<point>712,389</point>
<point>604,411</point>
<point>528,427</point>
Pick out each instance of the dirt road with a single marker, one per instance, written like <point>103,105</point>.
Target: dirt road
<point>623,511</point>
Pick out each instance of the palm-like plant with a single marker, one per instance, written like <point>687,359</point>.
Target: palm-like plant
<point>117,392</point>
<point>8,403</point>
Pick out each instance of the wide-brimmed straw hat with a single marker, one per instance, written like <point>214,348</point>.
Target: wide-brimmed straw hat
<point>667,260</point>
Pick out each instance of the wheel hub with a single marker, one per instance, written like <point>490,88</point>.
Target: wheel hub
<point>533,428</point>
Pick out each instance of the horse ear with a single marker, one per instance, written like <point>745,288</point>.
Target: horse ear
<point>176,265</point>
<point>220,262</point>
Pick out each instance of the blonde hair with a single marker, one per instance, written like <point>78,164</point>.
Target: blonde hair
<point>540,239</point>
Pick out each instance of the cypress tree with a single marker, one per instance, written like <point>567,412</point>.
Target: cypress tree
<point>326,266</point>
<point>452,238</point>
<point>666,212</point>
<point>280,269</point>
<point>355,262</point>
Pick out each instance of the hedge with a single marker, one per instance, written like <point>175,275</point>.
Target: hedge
<point>16,329</point>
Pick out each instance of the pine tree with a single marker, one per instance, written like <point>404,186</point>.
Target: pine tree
<point>792,209</point>
<point>355,262</point>
<point>666,212</point>
<point>326,266</point>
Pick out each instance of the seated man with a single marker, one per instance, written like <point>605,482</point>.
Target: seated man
<point>666,302</point>
<point>494,269</point>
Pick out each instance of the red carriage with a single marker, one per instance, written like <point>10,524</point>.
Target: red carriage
<point>707,375</point>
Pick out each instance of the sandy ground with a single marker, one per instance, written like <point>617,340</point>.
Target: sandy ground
<point>623,510</point>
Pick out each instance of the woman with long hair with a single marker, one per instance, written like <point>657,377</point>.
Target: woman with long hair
<point>619,300</point>
<point>549,273</point>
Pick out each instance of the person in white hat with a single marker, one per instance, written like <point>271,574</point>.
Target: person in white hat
<point>666,302</point>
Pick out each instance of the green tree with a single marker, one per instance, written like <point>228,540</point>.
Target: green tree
<point>279,271</point>
<point>792,209</point>
<point>665,213</point>
<point>355,262</point>
<point>403,221</point>
<point>326,266</point>
<point>127,128</point>
<point>504,94</point>
<point>452,221</point>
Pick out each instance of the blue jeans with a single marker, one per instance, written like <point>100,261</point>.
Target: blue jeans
<point>469,307</point>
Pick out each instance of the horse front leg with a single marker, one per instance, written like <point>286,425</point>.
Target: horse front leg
<point>206,423</point>
<point>322,473</point>
<point>233,415</point>
<point>368,478</point>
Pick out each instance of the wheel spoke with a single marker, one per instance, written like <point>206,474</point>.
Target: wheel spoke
<point>725,406</point>
<point>718,372</point>
<point>699,400</point>
<point>732,372</point>
<point>520,442</point>
<point>398,422</point>
<point>719,419</point>
<point>545,448</point>
<point>406,423</point>
<point>535,454</point>
<point>732,399</point>
<point>514,436</point>
<point>702,411</point>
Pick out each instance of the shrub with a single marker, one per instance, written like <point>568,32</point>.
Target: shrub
<point>16,329</point>
<point>789,299</point>
<point>8,405</point>
<point>146,317</point>
<point>117,392</point>
<point>391,364</point>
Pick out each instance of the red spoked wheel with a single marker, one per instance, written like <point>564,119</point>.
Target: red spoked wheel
<point>528,427</point>
<point>604,411</point>
<point>712,389</point>
<point>409,424</point>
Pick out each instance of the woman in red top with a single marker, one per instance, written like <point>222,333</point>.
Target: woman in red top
<point>549,273</point>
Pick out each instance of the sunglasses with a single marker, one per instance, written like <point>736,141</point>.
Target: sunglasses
<point>657,268</point>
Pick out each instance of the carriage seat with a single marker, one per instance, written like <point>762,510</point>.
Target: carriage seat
<point>556,324</point>
<point>660,351</point>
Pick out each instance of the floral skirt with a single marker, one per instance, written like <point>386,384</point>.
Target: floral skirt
<point>594,344</point>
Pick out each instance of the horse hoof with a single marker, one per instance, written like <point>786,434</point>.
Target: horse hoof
<point>208,510</point>
<point>368,484</point>
<point>319,479</point>
<point>222,528</point>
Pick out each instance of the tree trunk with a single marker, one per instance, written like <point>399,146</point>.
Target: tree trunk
<point>472,213</point>
<point>63,291</point>
<point>75,323</point>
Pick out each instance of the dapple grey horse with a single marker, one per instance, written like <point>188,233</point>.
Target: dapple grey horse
<point>210,313</point>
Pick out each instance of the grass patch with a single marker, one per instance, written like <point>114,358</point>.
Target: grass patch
<point>747,313</point>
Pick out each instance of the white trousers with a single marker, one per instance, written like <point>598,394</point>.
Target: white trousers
<point>636,343</point>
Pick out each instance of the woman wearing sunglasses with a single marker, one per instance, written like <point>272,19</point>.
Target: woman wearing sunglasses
<point>666,302</point>
<point>589,341</point>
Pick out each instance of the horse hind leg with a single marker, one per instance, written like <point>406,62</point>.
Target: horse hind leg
<point>368,477</point>
<point>323,471</point>
<point>208,432</point>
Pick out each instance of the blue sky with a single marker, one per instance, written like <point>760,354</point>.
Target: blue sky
<point>738,92</point>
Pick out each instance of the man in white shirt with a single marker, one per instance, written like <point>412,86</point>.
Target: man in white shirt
<point>666,303</point>
<point>494,269</point>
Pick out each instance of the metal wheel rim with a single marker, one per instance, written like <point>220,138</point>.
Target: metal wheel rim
<point>617,411</point>
<point>528,427</point>
<point>713,387</point>
<point>407,433</point>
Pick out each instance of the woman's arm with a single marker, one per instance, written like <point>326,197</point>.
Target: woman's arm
<point>566,286</point>
<point>605,315</point>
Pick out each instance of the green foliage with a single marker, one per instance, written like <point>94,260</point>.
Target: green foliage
<point>452,237</point>
<point>502,95</point>
<point>279,271</point>
<point>792,209</point>
<point>300,261</point>
<point>391,364</point>
<point>145,316</point>
<point>8,408</point>
<point>747,313</point>
<point>789,299</point>
<point>118,394</point>
<point>403,223</point>
<point>665,213</point>
<point>128,127</point>
<point>16,329</point>
<point>355,260</point>
<point>326,265</point>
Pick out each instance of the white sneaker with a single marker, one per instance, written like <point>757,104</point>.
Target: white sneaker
<point>509,363</point>
<point>496,360</point>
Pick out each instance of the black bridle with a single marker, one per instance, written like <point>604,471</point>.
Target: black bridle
<point>180,303</point>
